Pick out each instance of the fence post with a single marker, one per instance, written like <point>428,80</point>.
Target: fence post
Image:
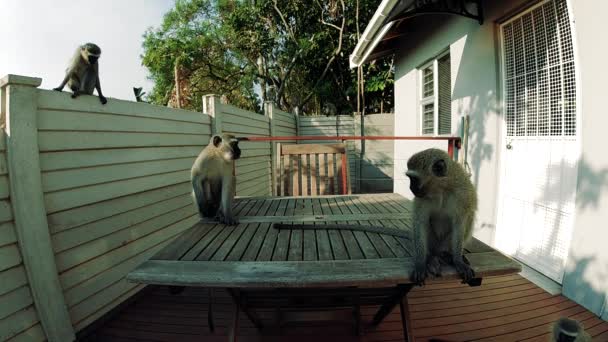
<point>296,115</point>
<point>358,150</point>
<point>29,212</point>
<point>211,106</point>
<point>269,112</point>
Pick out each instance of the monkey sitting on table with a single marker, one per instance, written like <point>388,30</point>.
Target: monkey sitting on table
<point>82,75</point>
<point>213,183</point>
<point>444,211</point>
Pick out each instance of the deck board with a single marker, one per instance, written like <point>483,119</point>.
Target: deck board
<point>160,316</point>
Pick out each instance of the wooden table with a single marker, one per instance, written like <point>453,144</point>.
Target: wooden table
<point>265,267</point>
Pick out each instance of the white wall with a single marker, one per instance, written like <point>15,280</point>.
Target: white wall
<point>475,92</point>
<point>586,278</point>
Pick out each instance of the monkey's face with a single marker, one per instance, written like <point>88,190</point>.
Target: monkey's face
<point>93,59</point>
<point>426,171</point>
<point>228,145</point>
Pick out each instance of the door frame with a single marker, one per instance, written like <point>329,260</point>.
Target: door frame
<point>503,138</point>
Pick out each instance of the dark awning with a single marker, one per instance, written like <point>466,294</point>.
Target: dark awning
<point>387,24</point>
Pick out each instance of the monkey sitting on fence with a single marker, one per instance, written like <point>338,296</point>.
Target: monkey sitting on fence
<point>213,183</point>
<point>82,75</point>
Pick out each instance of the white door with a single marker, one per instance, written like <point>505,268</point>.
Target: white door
<point>540,150</point>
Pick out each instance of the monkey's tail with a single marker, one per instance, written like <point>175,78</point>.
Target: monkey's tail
<point>364,228</point>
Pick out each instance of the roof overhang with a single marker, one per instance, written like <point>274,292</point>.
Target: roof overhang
<point>378,39</point>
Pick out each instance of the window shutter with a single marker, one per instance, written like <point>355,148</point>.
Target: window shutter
<point>445,95</point>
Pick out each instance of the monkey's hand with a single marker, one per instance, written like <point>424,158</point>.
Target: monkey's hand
<point>419,274</point>
<point>75,94</point>
<point>465,271</point>
<point>58,89</point>
<point>103,99</point>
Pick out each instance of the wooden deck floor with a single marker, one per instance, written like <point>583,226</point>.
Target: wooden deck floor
<point>508,308</point>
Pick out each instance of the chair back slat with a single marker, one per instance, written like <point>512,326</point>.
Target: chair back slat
<point>313,170</point>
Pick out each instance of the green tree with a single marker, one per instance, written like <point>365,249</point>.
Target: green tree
<point>292,52</point>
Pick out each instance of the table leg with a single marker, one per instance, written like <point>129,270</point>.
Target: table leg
<point>391,303</point>
<point>210,311</point>
<point>234,329</point>
<point>241,301</point>
<point>405,319</point>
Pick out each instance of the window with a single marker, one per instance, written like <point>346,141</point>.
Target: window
<point>539,74</point>
<point>435,97</point>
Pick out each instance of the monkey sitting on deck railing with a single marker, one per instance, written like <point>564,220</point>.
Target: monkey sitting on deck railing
<point>82,75</point>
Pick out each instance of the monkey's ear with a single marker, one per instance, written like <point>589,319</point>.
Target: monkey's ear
<point>440,169</point>
<point>217,140</point>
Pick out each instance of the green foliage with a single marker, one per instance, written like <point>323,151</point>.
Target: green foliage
<point>292,52</point>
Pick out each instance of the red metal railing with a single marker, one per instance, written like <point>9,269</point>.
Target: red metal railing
<point>453,142</point>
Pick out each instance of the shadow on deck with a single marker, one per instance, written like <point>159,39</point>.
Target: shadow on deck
<point>508,308</point>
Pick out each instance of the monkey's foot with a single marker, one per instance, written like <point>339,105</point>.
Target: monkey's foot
<point>75,95</point>
<point>103,99</point>
<point>465,271</point>
<point>434,266</point>
<point>225,219</point>
<point>419,274</point>
<point>58,89</point>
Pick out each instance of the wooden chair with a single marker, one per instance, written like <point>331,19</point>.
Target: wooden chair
<point>313,170</point>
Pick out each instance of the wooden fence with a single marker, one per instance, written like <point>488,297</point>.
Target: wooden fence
<point>89,191</point>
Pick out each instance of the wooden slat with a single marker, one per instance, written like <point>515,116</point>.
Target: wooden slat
<point>305,174</point>
<point>330,173</point>
<point>101,228</point>
<point>387,271</point>
<point>63,141</point>
<point>71,198</point>
<point>12,279</point>
<point>94,248</point>
<point>286,167</point>
<point>350,241</point>
<point>312,149</point>
<point>14,301</point>
<point>322,174</point>
<point>55,100</point>
<point>49,120</point>
<point>66,179</point>
<point>295,176</point>
<point>88,269</point>
<point>17,323</point>
<point>97,211</point>
<point>314,167</point>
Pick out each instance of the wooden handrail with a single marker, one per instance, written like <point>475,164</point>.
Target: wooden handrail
<point>453,142</point>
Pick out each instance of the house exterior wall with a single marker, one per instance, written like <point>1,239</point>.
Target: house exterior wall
<point>586,278</point>
<point>476,92</point>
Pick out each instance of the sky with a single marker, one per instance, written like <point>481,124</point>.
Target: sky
<point>38,37</point>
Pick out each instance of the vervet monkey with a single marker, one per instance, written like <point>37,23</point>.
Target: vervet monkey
<point>569,330</point>
<point>139,94</point>
<point>444,210</point>
<point>82,75</point>
<point>213,183</point>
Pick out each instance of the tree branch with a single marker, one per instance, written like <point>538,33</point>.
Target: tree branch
<point>331,59</point>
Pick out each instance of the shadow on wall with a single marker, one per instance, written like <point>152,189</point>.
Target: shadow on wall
<point>377,159</point>
<point>475,94</point>
<point>586,272</point>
